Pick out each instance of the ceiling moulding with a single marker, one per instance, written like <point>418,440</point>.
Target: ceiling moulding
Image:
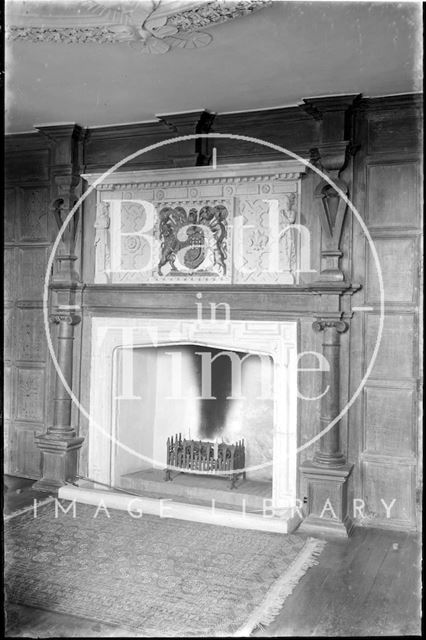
<point>154,26</point>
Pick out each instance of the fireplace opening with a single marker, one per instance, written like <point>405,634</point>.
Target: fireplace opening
<point>201,392</point>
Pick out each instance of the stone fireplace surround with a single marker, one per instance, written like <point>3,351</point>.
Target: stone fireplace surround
<point>277,339</point>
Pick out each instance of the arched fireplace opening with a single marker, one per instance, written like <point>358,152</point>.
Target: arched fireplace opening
<point>202,392</point>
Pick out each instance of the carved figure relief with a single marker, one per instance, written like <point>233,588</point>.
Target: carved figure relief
<point>102,249</point>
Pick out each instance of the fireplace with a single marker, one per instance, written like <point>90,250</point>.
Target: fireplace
<point>211,381</point>
<point>188,389</point>
<point>239,236</point>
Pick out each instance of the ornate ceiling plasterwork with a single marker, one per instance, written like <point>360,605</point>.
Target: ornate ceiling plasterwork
<point>151,26</point>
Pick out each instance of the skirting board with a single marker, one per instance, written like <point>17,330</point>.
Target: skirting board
<point>165,508</point>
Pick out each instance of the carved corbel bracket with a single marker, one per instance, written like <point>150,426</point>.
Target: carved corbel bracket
<point>331,156</point>
<point>196,152</point>
<point>66,197</point>
<point>66,143</point>
<point>331,159</point>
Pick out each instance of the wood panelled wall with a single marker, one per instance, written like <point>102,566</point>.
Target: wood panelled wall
<point>384,422</point>
<point>28,238</point>
<point>380,434</point>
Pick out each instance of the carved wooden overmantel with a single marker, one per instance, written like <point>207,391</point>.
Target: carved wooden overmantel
<point>236,224</point>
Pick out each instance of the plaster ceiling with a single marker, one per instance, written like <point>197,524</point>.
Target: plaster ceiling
<point>273,57</point>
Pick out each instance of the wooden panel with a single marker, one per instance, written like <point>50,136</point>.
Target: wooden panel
<point>394,130</point>
<point>288,127</point>
<point>27,165</point>
<point>32,342</point>
<point>264,303</point>
<point>388,423</point>
<point>107,152</point>
<point>7,392</point>
<point>9,274</point>
<point>27,457</point>
<point>32,267</point>
<point>33,214</point>
<point>30,394</point>
<point>309,386</point>
<point>6,448</point>
<point>385,483</point>
<point>398,262</point>
<point>392,195</point>
<point>9,314</point>
<point>9,214</point>
<point>28,227</point>
<point>395,356</point>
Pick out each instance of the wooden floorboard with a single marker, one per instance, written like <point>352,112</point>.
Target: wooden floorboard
<point>347,591</point>
<point>368,585</point>
<point>18,494</point>
<point>28,622</point>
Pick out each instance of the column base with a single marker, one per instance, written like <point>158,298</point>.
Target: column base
<point>327,499</point>
<point>329,460</point>
<point>59,460</point>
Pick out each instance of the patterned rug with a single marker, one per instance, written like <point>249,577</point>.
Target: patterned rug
<point>156,576</point>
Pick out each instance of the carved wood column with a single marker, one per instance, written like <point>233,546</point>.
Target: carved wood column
<point>329,453</point>
<point>327,473</point>
<point>60,444</point>
<point>62,402</point>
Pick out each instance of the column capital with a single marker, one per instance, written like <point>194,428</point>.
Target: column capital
<point>321,324</point>
<point>67,318</point>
